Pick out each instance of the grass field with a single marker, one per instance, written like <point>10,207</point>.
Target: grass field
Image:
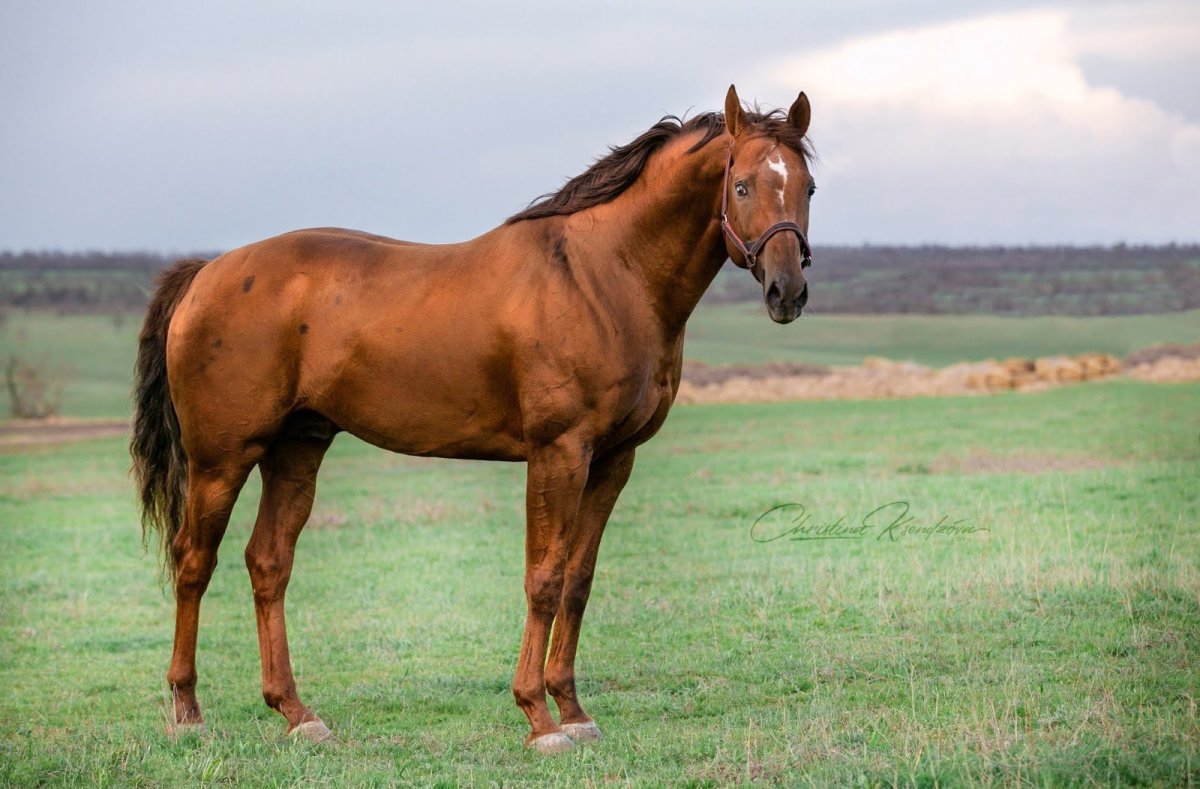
<point>1057,646</point>
<point>742,333</point>
<point>95,356</point>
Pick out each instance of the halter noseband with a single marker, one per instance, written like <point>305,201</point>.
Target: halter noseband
<point>750,251</point>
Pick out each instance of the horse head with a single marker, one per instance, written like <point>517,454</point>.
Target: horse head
<point>765,202</point>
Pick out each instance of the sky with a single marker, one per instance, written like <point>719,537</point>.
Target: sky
<point>180,126</point>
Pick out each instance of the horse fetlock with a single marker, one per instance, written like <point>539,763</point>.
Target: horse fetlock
<point>182,682</point>
<point>529,694</point>
<point>279,696</point>
<point>560,686</point>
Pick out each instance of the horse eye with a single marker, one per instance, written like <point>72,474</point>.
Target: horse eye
<point>812,190</point>
<point>740,188</point>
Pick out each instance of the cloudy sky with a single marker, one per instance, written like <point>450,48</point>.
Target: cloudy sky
<point>177,126</point>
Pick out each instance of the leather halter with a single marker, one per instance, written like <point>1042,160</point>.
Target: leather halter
<point>751,251</point>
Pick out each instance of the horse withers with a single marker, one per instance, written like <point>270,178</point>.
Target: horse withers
<point>555,339</point>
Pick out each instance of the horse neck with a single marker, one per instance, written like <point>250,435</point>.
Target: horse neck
<point>666,228</point>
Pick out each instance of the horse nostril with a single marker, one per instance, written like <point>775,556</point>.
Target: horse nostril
<point>802,299</point>
<point>774,295</point>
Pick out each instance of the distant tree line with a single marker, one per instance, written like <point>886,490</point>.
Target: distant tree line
<point>80,281</point>
<point>1116,280</point>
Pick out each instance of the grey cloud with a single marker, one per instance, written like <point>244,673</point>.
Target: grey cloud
<point>181,125</point>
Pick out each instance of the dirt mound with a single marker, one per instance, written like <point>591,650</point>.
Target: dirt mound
<point>1167,370</point>
<point>878,377</point>
<point>702,374</point>
<point>1170,363</point>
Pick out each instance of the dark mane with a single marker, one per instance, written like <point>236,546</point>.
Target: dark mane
<point>613,174</point>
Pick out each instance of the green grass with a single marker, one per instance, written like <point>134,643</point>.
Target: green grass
<point>742,333</point>
<point>96,357</point>
<point>1058,647</point>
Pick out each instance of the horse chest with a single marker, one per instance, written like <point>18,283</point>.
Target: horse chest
<point>644,415</point>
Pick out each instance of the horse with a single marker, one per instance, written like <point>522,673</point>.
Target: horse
<point>555,339</point>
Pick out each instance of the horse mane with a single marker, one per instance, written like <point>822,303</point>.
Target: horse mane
<point>611,175</point>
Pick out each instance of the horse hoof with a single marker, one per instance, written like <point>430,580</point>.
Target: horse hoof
<point>315,732</point>
<point>555,742</point>
<point>186,729</point>
<point>583,732</point>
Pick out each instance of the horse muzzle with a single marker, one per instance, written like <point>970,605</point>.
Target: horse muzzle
<point>785,296</point>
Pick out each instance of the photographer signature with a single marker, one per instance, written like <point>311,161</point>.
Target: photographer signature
<point>891,521</point>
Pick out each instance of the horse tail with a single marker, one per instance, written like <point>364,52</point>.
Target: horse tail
<point>159,462</point>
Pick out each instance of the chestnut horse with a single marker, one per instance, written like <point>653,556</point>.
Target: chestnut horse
<point>554,339</point>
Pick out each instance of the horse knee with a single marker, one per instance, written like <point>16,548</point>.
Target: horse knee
<point>276,694</point>
<point>543,588</point>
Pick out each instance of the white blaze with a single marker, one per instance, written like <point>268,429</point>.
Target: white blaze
<point>777,164</point>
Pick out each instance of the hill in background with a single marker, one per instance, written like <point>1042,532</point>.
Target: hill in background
<point>1120,280</point>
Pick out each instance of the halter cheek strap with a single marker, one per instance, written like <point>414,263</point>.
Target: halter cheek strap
<point>751,251</point>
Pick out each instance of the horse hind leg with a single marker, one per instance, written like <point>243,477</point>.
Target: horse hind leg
<point>211,496</point>
<point>289,474</point>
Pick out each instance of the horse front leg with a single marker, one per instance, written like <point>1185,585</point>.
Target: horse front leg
<point>606,479</point>
<point>556,478</point>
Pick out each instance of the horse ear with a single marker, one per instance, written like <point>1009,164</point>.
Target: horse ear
<point>735,116</point>
<point>800,113</point>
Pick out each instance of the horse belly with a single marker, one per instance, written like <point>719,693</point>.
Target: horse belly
<point>425,403</point>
